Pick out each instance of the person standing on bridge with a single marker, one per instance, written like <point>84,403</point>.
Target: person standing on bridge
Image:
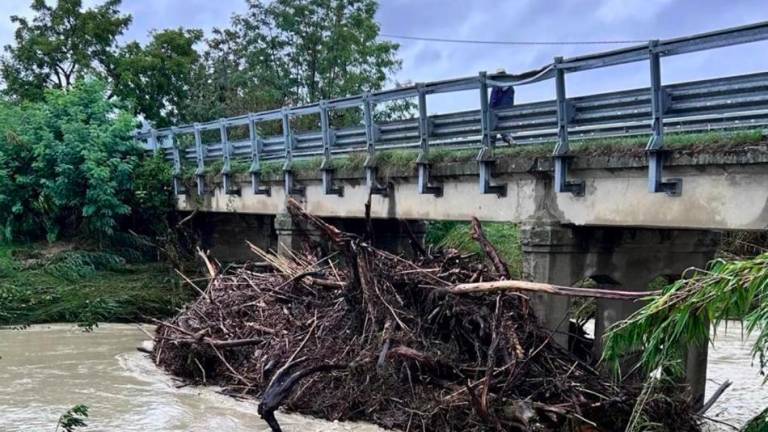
<point>502,98</point>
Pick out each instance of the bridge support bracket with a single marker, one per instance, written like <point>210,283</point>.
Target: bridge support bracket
<point>291,188</point>
<point>329,188</point>
<point>256,187</point>
<point>487,186</point>
<point>178,186</point>
<point>424,182</point>
<point>673,187</point>
<point>226,185</point>
<point>201,189</point>
<point>562,184</point>
<point>371,179</point>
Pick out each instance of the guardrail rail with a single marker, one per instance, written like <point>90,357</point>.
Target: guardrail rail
<point>721,103</point>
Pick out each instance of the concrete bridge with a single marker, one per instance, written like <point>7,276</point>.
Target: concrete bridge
<point>605,208</point>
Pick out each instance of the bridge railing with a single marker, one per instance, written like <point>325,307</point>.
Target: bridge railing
<point>728,102</point>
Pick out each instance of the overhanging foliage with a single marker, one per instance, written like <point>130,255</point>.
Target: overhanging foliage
<point>686,309</point>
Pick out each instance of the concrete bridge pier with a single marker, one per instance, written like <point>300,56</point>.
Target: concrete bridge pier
<point>290,235</point>
<point>551,254</point>
<point>632,259</point>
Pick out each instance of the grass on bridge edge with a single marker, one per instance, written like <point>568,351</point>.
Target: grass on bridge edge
<point>406,158</point>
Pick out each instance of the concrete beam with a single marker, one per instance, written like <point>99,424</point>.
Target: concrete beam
<point>728,193</point>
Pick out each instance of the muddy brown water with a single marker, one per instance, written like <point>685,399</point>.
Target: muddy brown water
<point>47,369</point>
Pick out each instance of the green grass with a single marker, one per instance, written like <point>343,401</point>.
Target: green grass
<point>504,236</point>
<point>83,287</point>
<point>405,159</point>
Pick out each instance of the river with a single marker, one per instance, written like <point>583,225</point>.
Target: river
<point>47,369</point>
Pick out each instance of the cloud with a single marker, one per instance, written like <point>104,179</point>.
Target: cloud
<point>611,11</point>
<point>532,20</point>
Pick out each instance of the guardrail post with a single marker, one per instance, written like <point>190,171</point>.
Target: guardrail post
<point>255,170</point>
<point>370,165</point>
<point>422,162</point>
<point>561,154</point>
<point>486,159</point>
<point>655,148</point>
<point>326,168</point>
<point>226,154</point>
<point>200,157</point>
<point>178,187</point>
<point>291,188</point>
<point>153,141</point>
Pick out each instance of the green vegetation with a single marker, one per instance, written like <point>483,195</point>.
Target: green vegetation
<point>73,419</point>
<point>276,53</point>
<point>63,44</point>
<point>68,166</point>
<point>291,52</point>
<point>456,235</point>
<point>758,424</point>
<point>62,284</point>
<point>683,313</point>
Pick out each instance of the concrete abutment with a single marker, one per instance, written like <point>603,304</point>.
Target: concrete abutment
<point>629,259</point>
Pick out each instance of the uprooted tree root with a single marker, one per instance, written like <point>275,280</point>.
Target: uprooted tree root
<point>366,335</point>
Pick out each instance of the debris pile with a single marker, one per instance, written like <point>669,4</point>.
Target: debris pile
<point>361,334</point>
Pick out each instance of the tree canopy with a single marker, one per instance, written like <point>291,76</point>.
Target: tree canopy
<point>66,43</point>
<point>68,165</point>
<point>157,77</point>
<point>60,45</point>
<point>290,52</point>
<point>284,52</point>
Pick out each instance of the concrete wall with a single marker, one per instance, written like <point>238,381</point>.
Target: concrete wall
<point>720,191</point>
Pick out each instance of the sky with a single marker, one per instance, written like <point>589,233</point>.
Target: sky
<point>504,20</point>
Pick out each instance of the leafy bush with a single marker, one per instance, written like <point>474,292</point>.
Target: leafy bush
<point>74,265</point>
<point>68,167</point>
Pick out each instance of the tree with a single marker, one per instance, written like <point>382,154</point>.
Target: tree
<point>68,165</point>
<point>290,52</point>
<point>60,45</point>
<point>157,77</point>
<point>64,43</point>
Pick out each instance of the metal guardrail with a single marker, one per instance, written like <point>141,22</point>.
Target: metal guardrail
<point>730,102</point>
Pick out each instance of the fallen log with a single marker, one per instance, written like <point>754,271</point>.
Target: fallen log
<point>490,251</point>
<point>518,285</point>
<point>281,388</point>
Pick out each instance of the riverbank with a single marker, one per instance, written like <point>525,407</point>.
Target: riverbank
<point>60,283</point>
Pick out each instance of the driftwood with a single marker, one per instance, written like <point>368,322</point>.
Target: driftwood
<point>715,396</point>
<point>281,388</point>
<point>518,285</point>
<point>498,263</point>
<point>394,341</point>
